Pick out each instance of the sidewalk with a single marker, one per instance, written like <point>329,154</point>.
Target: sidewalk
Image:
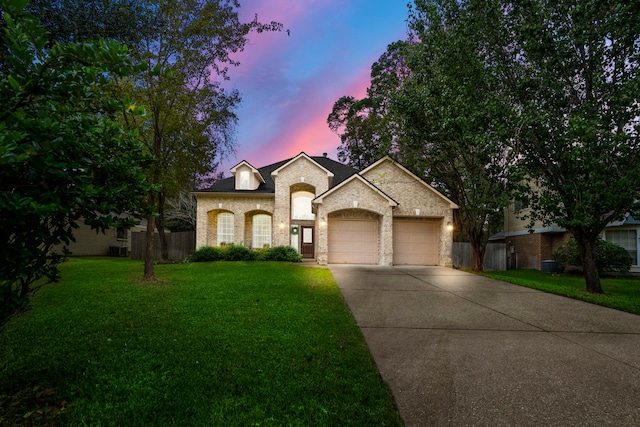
<point>461,349</point>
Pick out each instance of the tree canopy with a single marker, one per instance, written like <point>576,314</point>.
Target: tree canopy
<point>497,96</point>
<point>64,156</point>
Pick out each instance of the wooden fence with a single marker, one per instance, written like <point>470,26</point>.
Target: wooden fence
<point>180,245</point>
<point>495,258</point>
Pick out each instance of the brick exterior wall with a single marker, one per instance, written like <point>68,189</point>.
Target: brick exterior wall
<point>371,204</point>
<point>303,174</point>
<point>532,249</point>
<point>301,170</point>
<point>412,194</point>
<point>242,206</point>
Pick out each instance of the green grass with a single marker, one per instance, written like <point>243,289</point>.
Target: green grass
<point>220,344</point>
<point>622,293</point>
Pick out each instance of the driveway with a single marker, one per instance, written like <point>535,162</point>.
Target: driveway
<point>459,349</point>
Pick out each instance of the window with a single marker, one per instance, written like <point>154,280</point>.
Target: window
<point>121,233</point>
<point>261,231</point>
<point>628,239</point>
<point>520,205</point>
<point>301,205</point>
<point>225,228</point>
<point>244,180</point>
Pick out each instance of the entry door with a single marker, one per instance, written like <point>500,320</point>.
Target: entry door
<point>307,243</point>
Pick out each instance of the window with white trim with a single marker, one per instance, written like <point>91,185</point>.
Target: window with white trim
<point>225,228</point>
<point>301,205</point>
<point>628,239</point>
<point>261,230</point>
<point>244,180</point>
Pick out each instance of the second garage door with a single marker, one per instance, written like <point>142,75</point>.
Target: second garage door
<point>415,242</point>
<point>353,241</point>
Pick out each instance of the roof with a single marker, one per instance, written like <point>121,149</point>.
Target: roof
<point>228,185</point>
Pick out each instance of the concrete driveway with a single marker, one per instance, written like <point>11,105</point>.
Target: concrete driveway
<point>459,349</point>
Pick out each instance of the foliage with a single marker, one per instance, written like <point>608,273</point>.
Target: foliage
<point>432,105</point>
<point>66,21</point>
<point>207,253</point>
<point>233,252</point>
<point>192,121</point>
<point>280,253</point>
<point>233,344</point>
<point>366,127</point>
<point>572,69</point>
<point>621,293</point>
<point>609,256</point>
<point>63,155</point>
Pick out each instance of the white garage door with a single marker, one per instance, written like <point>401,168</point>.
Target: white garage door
<point>353,241</point>
<point>415,242</point>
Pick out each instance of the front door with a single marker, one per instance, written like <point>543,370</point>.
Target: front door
<point>307,243</point>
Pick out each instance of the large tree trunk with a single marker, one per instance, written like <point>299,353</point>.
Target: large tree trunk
<point>164,247</point>
<point>587,249</point>
<point>478,249</point>
<point>149,272</point>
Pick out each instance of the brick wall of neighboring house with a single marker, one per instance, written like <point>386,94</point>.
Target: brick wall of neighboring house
<point>302,170</point>
<point>532,249</point>
<point>210,205</point>
<point>411,195</point>
<point>370,205</point>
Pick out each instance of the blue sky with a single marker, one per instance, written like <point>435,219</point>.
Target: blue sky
<point>289,82</point>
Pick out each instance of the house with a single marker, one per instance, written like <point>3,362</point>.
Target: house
<point>528,249</point>
<point>329,212</point>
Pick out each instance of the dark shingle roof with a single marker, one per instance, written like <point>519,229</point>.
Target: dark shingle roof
<point>340,171</point>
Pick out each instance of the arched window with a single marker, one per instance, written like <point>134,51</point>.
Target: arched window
<point>301,205</point>
<point>261,230</point>
<point>225,228</point>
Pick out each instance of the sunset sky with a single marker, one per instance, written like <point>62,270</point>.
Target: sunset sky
<point>289,82</point>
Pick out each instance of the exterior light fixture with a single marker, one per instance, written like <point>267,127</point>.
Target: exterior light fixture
<point>417,211</point>
<point>257,205</point>
<point>449,226</point>
<point>219,205</point>
<point>323,222</point>
<point>281,225</point>
<point>355,203</point>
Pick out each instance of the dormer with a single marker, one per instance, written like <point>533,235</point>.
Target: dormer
<point>247,177</point>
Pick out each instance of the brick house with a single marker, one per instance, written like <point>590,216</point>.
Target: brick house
<point>329,212</point>
<point>528,249</point>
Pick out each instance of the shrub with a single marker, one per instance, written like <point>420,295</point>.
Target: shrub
<point>280,253</point>
<point>609,256</point>
<point>206,253</point>
<point>233,252</point>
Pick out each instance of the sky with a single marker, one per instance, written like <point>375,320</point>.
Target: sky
<point>289,81</point>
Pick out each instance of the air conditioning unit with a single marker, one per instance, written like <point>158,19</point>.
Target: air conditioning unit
<point>120,251</point>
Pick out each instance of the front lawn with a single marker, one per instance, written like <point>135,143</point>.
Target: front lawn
<point>246,344</point>
<point>622,293</point>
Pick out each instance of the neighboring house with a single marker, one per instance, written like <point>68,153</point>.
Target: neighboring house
<point>528,249</point>
<point>329,212</point>
<point>113,241</point>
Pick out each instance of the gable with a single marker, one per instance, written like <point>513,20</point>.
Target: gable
<point>407,189</point>
<point>355,189</point>
<point>246,176</point>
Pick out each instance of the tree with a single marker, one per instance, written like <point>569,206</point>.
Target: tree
<point>572,71</point>
<point>447,125</point>
<point>455,128</point>
<point>366,127</point>
<point>192,116</point>
<point>63,155</point>
<point>187,45</point>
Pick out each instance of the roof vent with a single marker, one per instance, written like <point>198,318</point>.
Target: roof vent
<point>324,154</point>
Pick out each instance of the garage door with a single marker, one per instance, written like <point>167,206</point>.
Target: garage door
<point>415,242</point>
<point>353,241</point>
